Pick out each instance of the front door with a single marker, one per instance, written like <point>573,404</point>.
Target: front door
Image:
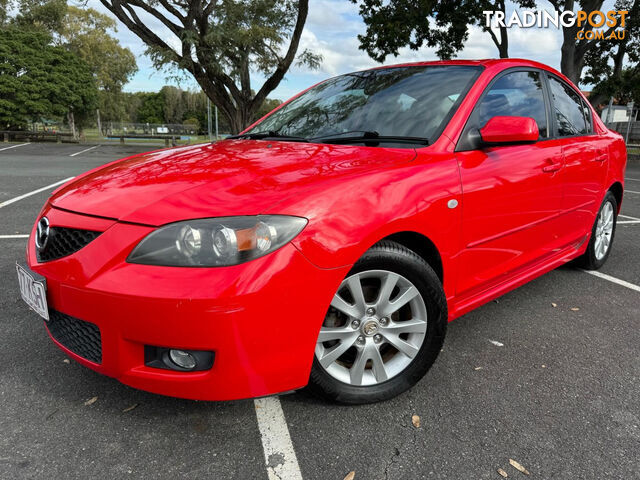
<point>512,195</point>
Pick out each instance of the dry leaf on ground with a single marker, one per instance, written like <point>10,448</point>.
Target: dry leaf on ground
<point>350,476</point>
<point>502,473</point>
<point>128,409</point>
<point>574,309</point>
<point>518,467</point>
<point>91,401</point>
<point>554,305</point>
<point>478,368</point>
<point>415,419</point>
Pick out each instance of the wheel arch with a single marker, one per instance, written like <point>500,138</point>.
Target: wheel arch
<point>617,191</point>
<point>421,245</point>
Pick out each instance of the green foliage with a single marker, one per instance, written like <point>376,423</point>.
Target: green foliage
<point>613,66</point>
<point>192,123</point>
<point>39,80</point>
<point>87,33</point>
<point>46,15</point>
<point>443,25</point>
<point>151,108</point>
<point>268,105</point>
<point>624,88</point>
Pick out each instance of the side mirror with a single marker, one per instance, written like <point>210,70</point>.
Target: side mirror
<point>509,131</point>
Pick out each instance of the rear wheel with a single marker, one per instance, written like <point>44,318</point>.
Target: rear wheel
<point>602,234</point>
<point>383,330</point>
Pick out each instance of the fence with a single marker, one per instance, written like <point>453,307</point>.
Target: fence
<point>118,129</point>
<point>621,128</point>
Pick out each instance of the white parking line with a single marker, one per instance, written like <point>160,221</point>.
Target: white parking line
<point>279,454</point>
<point>627,222</point>
<point>631,191</point>
<point>15,199</point>
<point>604,276</point>
<point>14,236</point>
<point>13,146</point>
<point>634,179</point>
<point>86,150</point>
<point>627,216</point>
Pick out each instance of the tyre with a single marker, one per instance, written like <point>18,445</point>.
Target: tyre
<point>602,235</point>
<point>384,328</point>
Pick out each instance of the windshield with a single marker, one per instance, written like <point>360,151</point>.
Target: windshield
<point>415,101</point>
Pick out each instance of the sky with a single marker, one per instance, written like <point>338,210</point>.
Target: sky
<point>331,30</point>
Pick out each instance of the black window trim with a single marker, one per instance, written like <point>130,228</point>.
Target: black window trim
<point>546,95</point>
<point>583,105</point>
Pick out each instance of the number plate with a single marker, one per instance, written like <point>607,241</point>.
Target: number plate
<point>33,289</point>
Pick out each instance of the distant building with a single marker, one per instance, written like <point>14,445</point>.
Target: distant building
<point>619,113</point>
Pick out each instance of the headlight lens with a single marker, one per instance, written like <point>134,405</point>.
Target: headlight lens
<point>216,242</point>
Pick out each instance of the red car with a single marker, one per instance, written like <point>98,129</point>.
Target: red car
<point>331,242</point>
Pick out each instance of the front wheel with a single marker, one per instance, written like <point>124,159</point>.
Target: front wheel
<point>602,235</point>
<point>383,330</point>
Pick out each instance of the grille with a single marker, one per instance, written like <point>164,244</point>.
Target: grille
<point>82,338</point>
<point>64,241</point>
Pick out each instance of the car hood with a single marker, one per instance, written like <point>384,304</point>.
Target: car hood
<point>232,177</point>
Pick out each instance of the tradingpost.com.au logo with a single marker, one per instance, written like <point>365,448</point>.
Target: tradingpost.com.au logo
<point>586,21</point>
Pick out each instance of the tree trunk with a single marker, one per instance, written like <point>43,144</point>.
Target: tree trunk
<point>72,124</point>
<point>503,48</point>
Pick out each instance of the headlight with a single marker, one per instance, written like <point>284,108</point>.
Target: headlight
<point>216,242</point>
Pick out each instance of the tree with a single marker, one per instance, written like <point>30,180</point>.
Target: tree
<point>574,49</point>
<point>39,80</point>
<point>151,108</point>
<point>441,24</point>
<point>88,34</point>
<point>46,15</point>
<point>221,42</point>
<point>606,61</point>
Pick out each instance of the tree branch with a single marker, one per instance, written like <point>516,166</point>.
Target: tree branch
<point>273,81</point>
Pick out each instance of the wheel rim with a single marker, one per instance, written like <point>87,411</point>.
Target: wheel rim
<point>373,330</point>
<point>604,230</point>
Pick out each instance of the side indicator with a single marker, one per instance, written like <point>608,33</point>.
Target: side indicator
<point>452,203</point>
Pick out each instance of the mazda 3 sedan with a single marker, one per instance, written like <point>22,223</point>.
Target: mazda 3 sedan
<point>330,243</point>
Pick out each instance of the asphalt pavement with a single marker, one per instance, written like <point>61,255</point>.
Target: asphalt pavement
<point>547,375</point>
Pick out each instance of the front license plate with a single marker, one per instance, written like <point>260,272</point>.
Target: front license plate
<point>33,290</point>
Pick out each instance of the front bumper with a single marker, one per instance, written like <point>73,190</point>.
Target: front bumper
<point>260,318</point>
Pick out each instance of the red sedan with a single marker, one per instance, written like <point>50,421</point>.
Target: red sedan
<point>331,242</point>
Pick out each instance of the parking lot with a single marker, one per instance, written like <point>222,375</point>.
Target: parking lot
<point>547,375</point>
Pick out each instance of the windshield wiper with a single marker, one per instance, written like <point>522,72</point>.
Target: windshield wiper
<point>368,137</point>
<point>269,134</point>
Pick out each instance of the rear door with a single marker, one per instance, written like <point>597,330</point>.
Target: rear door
<point>585,159</point>
<point>512,195</point>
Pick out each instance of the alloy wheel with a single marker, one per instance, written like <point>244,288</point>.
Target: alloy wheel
<point>604,231</point>
<point>374,328</point>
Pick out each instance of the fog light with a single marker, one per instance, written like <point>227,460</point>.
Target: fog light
<point>183,359</point>
<point>178,360</point>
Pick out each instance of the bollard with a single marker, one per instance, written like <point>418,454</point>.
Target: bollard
<point>58,138</point>
<point>122,140</point>
<point>6,138</point>
<point>173,141</point>
<point>166,141</point>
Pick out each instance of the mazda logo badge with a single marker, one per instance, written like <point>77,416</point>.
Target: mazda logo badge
<point>42,233</point>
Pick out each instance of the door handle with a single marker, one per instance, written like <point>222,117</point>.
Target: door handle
<point>553,167</point>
